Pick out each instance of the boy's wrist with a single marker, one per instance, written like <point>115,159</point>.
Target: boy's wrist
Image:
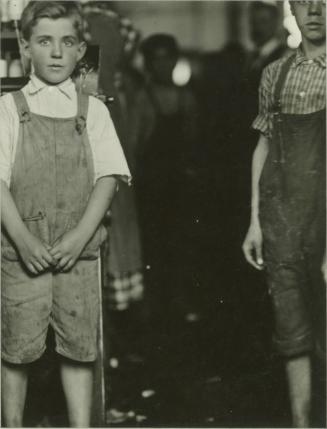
<point>20,236</point>
<point>83,233</point>
<point>255,216</point>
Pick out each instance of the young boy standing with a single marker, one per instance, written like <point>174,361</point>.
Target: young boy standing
<point>287,230</point>
<point>59,156</point>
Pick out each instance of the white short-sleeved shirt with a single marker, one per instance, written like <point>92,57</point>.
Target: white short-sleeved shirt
<point>60,101</point>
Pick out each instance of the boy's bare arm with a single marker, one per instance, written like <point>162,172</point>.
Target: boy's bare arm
<point>68,248</point>
<point>258,161</point>
<point>252,246</point>
<point>98,204</point>
<point>33,252</point>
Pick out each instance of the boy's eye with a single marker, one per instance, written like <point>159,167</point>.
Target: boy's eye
<point>44,42</point>
<point>69,42</point>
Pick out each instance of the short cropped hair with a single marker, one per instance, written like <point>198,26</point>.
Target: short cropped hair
<point>36,10</point>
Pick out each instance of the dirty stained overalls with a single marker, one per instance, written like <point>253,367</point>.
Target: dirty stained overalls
<point>293,221</point>
<point>52,178</point>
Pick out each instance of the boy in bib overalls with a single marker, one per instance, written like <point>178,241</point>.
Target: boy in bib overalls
<point>287,232</point>
<point>60,157</point>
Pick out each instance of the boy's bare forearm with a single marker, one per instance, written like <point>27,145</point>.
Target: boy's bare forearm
<point>10,217</point>
<point>99,202</point>
<point>258,161</point>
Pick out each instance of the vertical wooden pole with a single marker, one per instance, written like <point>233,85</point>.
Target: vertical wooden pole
<point>105,32</point>
<point>98,405</point>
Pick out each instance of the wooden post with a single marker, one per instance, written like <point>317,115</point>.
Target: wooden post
<point>99,399</point>
<point>105,33</point>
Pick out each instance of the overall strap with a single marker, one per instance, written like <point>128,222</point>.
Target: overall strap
<point>82,109</point>
<point>280,83</point>
<point>22,106</point>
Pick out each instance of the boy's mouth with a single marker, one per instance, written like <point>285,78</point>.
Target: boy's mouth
<point>314,24</point>
<point>55,66</point>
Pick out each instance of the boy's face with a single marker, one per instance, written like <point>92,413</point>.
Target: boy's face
<point>311,19</point>
<point>54,49</point>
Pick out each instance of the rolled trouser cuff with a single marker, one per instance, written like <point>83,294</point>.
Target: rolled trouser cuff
<point>289,347</point>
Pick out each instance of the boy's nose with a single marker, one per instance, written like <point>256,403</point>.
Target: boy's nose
<point>315,7</point>
<point>56,51</point>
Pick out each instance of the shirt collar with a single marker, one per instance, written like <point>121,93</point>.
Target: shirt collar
<point>36,85</point>
<point>300,58</point>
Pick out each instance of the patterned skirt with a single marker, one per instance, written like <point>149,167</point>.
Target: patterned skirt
<point>123,290</point>
<point>122,262</point>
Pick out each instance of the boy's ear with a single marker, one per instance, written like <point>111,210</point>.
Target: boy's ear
<point>81,51</point>
<point>25,48</point>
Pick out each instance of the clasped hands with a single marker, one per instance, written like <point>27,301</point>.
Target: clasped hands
<point>61,256</point>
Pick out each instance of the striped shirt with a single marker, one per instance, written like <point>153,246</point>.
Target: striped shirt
<point>304,90</point>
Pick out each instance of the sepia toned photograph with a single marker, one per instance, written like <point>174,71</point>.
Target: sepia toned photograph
<point>163,213</point>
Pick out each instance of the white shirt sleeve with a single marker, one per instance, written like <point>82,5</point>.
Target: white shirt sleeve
<point>108,155</point>
<point>8,135</point>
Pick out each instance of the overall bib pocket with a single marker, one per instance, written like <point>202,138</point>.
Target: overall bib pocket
<point>37,224</point>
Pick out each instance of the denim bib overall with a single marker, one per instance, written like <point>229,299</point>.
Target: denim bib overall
<point>293,220</point>
<point>52,178</point>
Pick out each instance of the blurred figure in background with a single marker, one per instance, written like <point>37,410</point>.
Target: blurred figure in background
<point>166,173</point>
<point>124,272</point>
<point>123,265</point>
<point>123,256</point>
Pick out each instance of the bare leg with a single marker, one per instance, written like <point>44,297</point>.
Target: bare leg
<point>299,382</point>
<point>77,381</point>
<point>13,393</point>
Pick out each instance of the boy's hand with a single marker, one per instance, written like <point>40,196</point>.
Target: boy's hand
<point>67,249</point>
<point>252,246</point>
<point>35,254</point>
